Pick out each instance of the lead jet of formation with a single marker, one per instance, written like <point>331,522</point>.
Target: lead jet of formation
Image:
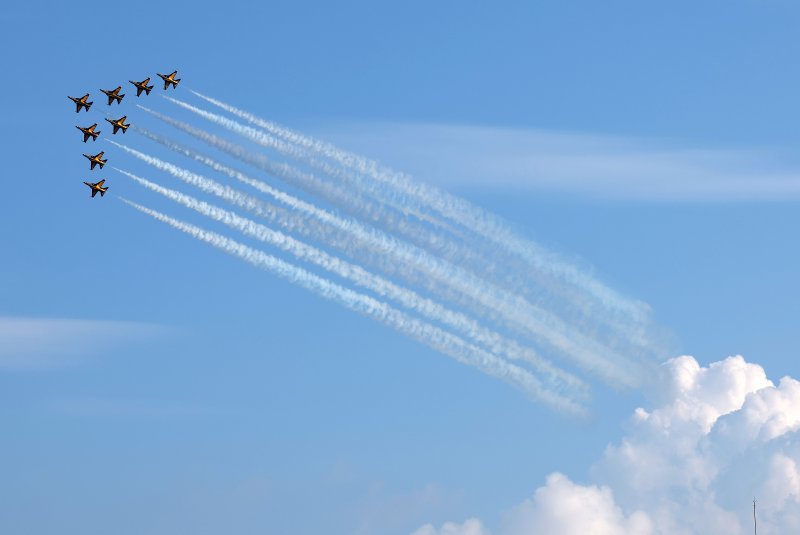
<point>169,79</point>
<point>81,102</point>
<point>97,187</point>
<point>96,160</point>
<point>113,94</point>
<point>119,123</point>
<point>89,132</point>
<point>142,86</point>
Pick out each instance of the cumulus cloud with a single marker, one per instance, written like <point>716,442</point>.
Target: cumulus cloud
<point>566,508</point>
<point>715,437</point>
<point>49,343</point>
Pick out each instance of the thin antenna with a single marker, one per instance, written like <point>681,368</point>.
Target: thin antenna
<point>755,526</point>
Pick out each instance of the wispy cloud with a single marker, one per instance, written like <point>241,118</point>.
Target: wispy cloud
<point>125,408</point>
<point>584,165</point>
<point>35,344</point>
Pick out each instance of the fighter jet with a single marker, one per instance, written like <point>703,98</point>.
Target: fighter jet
<point>169,79</point>
<point>113,94</point>
<point>95,160</point>
<point>81,102</point>
<point>119,123</point>
<point>97,186</point>
<point>89,131</point>
<point>142,86</point>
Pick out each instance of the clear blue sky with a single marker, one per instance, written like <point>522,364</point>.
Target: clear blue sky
<point>249,405</point>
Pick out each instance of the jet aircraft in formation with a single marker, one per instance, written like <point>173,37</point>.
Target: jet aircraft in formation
<point>96,160</point>
<point>89,132</point>
<point>81,102</point>
<point>113,94</point>
<point>169,79</point>
<point>119,123</point>
<point>97,187</point>
<point>142,86</point>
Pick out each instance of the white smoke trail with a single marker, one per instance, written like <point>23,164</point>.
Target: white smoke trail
<point>351,227</point>
<point>345,224</point>
<point>300,154</point>
<point>629,331</point>
<point>348,198</point>
<point>338,173</point>
<point>280,196</point>
<point>463,256</point>
<point>434,337</point>
<point>261,208</point>
<point>513,311</point>
<point>557,379</point>
<point>453,208</point>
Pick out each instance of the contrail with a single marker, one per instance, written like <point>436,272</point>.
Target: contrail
<point>451,207</point>
<point>261,208</point>
<point>291,150</point>
<point>557,378</point>
<point>629,334</point>
<point>349,199</point>
<point>421,331</point>
<point>364,234</point>
<point>633,328</point>
<point>280,196</point>
<point>355,239</point>
<point>514,311</point>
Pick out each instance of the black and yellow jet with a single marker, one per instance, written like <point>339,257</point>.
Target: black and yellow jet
<point>97,187</point>
<point>169,79</point>
<point>119,123</point>
<point>96,160</point>
<point>113,94</point>
<point>81,102</point>
<point>89,132</point>
<point>142,86</point>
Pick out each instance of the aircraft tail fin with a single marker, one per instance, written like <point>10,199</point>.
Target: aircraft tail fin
<point>103,191</point>
<point>89,105</point>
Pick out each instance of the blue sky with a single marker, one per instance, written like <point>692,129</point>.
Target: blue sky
<point>221,398</point>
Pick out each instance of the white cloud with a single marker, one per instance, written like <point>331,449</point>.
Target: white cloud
<point>50,343</point>
<point>584,165</point>
<point>716,437</point>
<point>565,508</point>
<point>472,526</point>
<point>91,407</point>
